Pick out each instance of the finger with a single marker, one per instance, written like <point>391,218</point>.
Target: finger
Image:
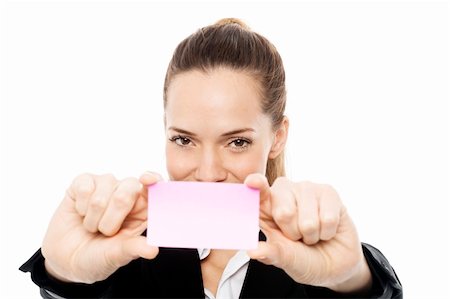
<point>98,201</point>
<point>284,208</point>
<point>259,181</point>
<point>80,191</point>
<point>308,212</point>
<point>329,212</point>
<point>266,253</point>
<point>149,178</point>
<point>137,246</point>
<point>119,206</point>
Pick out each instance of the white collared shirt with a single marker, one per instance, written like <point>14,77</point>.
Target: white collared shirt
<point>232,280</point>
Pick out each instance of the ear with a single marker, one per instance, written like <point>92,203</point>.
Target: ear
<point>280,139</point>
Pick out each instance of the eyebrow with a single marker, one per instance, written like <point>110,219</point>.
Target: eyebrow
<point>233,132</point>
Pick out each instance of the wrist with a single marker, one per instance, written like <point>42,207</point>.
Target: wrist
<point>359,283</point>
<point>53,274</point>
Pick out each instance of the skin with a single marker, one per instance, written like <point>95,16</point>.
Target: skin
<point>98,226</point>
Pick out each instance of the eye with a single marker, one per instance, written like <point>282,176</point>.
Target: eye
<point>181,140</point>
<point>239,143</point>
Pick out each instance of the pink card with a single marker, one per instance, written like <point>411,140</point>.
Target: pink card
<point>203,215</point>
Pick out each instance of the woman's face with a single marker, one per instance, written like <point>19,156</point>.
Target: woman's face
<point>216,131</point>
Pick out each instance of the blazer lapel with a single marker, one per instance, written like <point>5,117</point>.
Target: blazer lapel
<point>263,281</point>
<point>178,273</point>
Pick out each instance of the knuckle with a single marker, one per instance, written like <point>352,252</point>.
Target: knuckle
<point>97,203</point>
<point>329,190</point>
<point>283,214</point>
<point>329,221</point>
<point>132,184</point>
<point>105,229</point>
<point>90,228</point>
<point>305,183</point>
<point>326,236</point>
<point>108,177</point>
<point>84,188</point>
<point>81,207</point>
<point>281,180</point>
<point>331,194</point>
<point>83,184</point>
<point>304,190</point>
<point>82,177</point>
<point>311,240</point>
<point>308,227</point>
<point>121,199</point>
<point>328,187</point>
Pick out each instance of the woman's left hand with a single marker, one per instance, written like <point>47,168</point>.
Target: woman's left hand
<point>309,235</point>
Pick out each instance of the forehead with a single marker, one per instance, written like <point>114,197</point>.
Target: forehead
<point>221,98</point>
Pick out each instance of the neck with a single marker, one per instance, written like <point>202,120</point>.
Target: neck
<point>219,258</point>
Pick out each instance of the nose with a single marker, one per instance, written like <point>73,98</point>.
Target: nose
<point>210,167</point>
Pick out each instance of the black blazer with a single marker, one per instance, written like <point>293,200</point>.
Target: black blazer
<point>176,273</point>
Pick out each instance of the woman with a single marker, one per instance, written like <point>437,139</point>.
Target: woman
<point>224,100</point>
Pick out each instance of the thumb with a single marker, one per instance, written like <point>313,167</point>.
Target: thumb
<point>131,249</point>
<point>259,181</point>
<point>267,253</point>
<point>149,178</point>
<point>281,252</point>
<point>136,247</point>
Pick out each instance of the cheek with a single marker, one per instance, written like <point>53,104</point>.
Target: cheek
<point>241,165</point>
<point>178,164</point>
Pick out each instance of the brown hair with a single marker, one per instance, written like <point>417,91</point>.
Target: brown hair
<point>230,43</point>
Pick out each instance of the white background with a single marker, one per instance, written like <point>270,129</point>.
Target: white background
<point>368,100</point>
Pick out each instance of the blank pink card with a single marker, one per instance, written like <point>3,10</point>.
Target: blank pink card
<point>203,215</point>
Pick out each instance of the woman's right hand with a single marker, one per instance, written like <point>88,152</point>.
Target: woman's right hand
<point>98,228</point>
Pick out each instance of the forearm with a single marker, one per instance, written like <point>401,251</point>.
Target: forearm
<point>384,282</point>
<point>42,278</point>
